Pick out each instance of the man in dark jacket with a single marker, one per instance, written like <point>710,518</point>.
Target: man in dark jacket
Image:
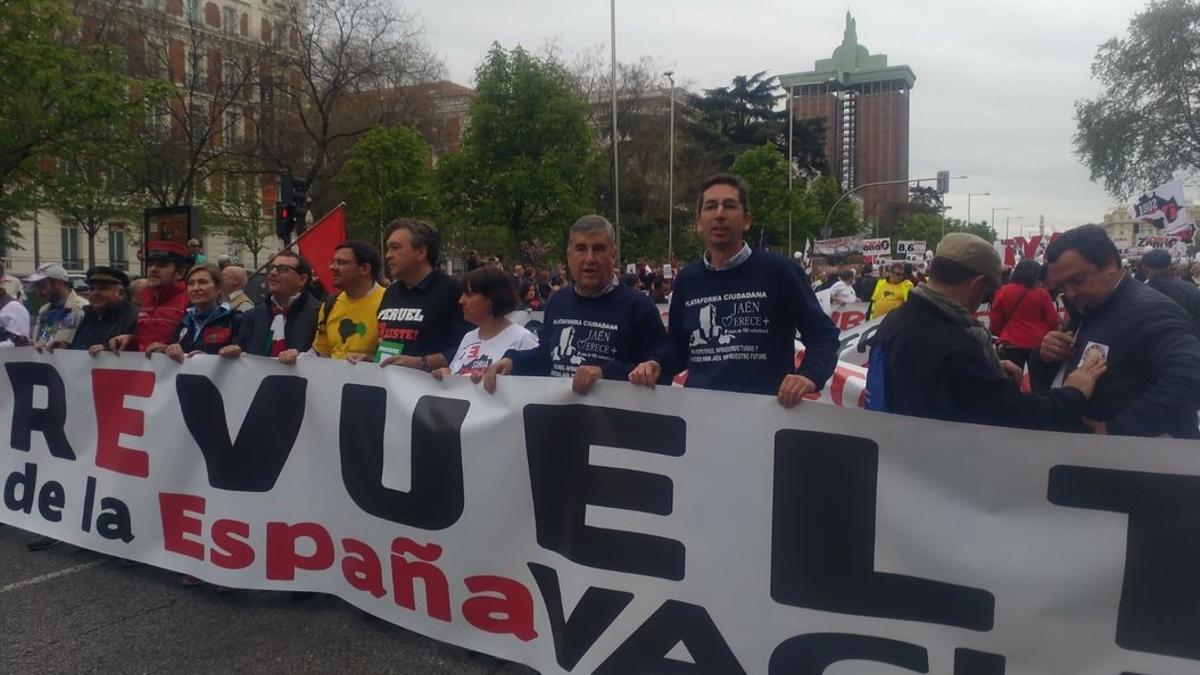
<point>109,312</point>
<point>931,358</point>
<point>864,286</point>
<point>286,318</point>
<point>1157,264</point>
<point>1153,382</point>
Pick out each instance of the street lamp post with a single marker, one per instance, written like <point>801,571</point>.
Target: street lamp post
<point>992,223</point>
<point>671,177</point>
<point>826,230</point>
<point>791,137</point>
<point>1007,220</point>
<point>974,194</point>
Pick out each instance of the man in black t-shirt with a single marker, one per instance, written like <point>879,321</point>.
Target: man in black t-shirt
<point>420,320</point>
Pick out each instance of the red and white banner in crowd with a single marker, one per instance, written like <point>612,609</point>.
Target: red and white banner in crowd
<point>877,247</point>
<point>624,532</point>
<point>1163,211</point>
<point>838,246</point>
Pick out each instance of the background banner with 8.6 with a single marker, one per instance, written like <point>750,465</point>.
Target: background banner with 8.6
<point>616,532</point>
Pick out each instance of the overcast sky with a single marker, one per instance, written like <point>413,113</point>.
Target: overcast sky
<point>996,81</point>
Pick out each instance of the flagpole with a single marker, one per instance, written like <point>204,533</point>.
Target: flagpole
<point>615,137</point>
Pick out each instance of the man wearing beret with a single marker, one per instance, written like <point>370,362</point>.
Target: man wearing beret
<point>110,313</point>
<point>932,359</point>
<point>163,301</point>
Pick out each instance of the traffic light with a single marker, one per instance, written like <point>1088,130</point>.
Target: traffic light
<point>299,204</point>
<point>943,182</point>
<point>284,223</point>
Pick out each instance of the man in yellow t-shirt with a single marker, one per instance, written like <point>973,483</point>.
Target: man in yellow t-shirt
<point>347,325</point>
<point>890,292</point>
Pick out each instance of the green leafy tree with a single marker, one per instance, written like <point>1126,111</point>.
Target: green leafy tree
<point>526,162</point>
<point>57,94</point>
<point>744,112</point>
<point>91,187</point>
<point>765,171</point>
<point>845,219</point>
<point>387,175</point>
<point>931,227</point>
<point>1144,126</point>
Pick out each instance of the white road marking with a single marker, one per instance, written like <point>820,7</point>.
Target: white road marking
<point>48,577</point>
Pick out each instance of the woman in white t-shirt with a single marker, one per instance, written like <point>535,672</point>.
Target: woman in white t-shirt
<point>488,297</point>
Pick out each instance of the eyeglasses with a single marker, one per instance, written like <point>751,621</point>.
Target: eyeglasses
<point>340,263</point>
<point>728,205</point>
<point>280,268</point>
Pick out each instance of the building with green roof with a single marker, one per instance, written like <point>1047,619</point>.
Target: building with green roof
<point>865,105</point>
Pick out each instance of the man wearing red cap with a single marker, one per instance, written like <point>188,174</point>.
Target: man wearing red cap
<point>163,301</point>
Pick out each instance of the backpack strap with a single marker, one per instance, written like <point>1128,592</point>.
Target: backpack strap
<point>326,308</point>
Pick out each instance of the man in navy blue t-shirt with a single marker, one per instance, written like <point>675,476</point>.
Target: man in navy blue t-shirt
<point>735,314</point>
<point>595,328</point>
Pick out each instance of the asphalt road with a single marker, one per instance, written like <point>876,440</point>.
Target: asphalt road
<point>66,610</point>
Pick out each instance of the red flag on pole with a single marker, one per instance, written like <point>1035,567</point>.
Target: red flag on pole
<point>318,243</point>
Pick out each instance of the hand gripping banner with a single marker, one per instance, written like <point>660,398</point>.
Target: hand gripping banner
<point>626,531</point>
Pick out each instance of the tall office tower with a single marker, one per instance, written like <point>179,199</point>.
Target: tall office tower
<point>864,102</point>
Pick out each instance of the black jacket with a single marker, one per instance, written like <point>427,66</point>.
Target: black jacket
<point>1182,292</point>
<point>924,364</point>
<point>299,329</point>
<point>864,286</point>
<point>1152,386</point>
<point>98,329</point>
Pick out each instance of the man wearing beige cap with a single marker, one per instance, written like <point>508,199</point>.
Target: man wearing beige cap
<point>932,359</point>
<point>62,312</point>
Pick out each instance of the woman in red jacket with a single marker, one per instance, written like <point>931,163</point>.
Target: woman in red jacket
<point>1022,313</point>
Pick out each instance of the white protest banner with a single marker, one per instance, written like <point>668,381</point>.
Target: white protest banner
<point>825,300</point>
<point>630,531</point>
<point>877,247</point>
<point>849,316</point>
<point>912,251</point>
<point>1161,211</point>
<point>838,246</point>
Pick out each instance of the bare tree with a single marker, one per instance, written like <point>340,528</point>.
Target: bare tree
<point>198,131</point>
<point>240,215</point>
<point>350,66</point>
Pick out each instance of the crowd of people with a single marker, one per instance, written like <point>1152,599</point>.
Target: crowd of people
<point>1125,360</point>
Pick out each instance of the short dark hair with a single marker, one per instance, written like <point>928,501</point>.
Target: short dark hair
<point>423,236</point>
<point>630,280</point>
<point>302,265</point>
<point>494,285</point>
<point>1027,273</point>
<point>949,272</point>
<point>1089,241</point>
<point>846,275</point>
<point>725,179</point>
<point>364,254</point>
